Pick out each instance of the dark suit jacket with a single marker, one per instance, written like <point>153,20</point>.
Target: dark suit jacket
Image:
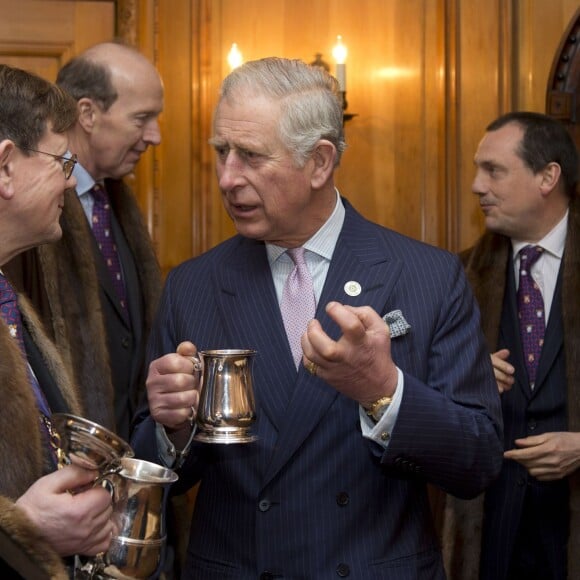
<point>312,498</point>
<point>515,495</point>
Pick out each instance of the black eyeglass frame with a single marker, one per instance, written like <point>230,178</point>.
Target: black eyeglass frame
<point>68,163</point>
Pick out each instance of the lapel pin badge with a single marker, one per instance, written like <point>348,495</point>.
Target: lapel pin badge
<point>352,288</point>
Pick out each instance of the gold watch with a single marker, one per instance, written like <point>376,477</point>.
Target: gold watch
<point>377,409</point>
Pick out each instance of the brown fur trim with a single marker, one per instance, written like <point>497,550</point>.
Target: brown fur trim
<point>51,357</point>
<point>72,288</point>
<point>21,530</point>
<point>461,538</point>
<point>20,443</point>
<point>71,284</point>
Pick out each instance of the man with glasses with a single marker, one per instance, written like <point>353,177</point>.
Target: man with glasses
<point>68,163</point>
<point>97,288</point>
<point>41,521</point>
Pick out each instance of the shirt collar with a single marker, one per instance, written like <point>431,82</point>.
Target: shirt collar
<point>323,241</point>
<point>84,181</point>
<point>553,242</point>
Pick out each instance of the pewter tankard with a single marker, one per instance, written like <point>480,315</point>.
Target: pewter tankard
<point>226,410</point>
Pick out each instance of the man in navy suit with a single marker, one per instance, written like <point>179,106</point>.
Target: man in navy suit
<point>352,431</point>
<point>526,179</point>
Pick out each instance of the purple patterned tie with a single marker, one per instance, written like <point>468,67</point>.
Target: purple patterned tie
<point>530,311</point>
<point>298,304</point>
<point>11,314</point>
<point>106,241</point>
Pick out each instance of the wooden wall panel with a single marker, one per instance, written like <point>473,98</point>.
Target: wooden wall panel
<point>41,35</point>
<point>395,85</point>
<point>482,57</point>
<point>540,26</point>
<point>424,76</point>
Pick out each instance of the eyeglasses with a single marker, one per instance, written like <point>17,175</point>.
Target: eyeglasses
<point>68,163</point>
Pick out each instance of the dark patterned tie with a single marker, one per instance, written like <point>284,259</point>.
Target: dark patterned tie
<point>530,311</point>
<point>103,233</point>
<point>298,303</point>
<point>11,314</point>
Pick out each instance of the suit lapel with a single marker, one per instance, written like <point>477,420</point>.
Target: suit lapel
<point>553,338</point>
<point>360,256</point>
<point>295,403</point>
<point>249,307</point>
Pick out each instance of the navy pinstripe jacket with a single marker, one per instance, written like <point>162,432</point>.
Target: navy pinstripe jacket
<point>312,498</point>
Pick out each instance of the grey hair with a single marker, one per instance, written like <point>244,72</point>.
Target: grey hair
<point>309,98</point>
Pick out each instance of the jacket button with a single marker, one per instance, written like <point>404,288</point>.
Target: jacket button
<point>342,570</point>
<point>125,342</point>
<point>264,506</point>
<point>342,499</point>
<point>532,424</point>
<point>266,576</point>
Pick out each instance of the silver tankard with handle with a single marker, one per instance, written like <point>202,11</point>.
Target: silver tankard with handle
<point>138,490</point>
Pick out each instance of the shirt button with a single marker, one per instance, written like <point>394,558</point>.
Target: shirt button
<point>264,506</point>
<point>343,570</point>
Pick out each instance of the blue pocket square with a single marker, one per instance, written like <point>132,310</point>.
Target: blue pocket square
<point>397,323</point>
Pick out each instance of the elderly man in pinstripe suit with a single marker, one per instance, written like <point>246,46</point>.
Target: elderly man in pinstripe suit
<point>348,438</point>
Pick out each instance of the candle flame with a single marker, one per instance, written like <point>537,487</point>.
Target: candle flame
<point>235,58</point>
<point>339,51</point>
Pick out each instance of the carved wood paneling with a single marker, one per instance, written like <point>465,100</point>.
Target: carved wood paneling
<point>424,76</point>
<point>563,92</point>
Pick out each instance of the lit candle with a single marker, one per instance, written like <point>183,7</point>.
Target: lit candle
<point>339,53</point>
<point>235,58</point>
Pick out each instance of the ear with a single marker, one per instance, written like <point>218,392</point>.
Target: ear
<point>87,113</point>
<point>7,149</point>
<point>323,157</point>
<point>549,177</point>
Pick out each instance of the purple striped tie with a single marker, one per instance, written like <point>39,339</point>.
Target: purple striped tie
<point>530,311</point>
<point>298,303</point>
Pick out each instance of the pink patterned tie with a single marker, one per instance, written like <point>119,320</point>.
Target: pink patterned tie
<point>298,304</point>
<point>106,241</point>
<point>530,311</point>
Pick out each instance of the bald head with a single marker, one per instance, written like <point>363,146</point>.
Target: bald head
<point>119,96</point>
<point>95,73</point>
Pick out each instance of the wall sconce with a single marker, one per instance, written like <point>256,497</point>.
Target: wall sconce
<point>339,52</point>
<point>235,58</point>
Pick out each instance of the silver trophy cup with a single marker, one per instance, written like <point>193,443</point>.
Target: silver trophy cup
<point>138,489</point>
<point>139,492</point>
<point>227,409</point>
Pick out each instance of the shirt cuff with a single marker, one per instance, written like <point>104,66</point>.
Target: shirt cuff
<point>380,432</point>
<point>168,454</point>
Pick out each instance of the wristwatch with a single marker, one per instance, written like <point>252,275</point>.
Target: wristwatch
<point>377,409</point>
